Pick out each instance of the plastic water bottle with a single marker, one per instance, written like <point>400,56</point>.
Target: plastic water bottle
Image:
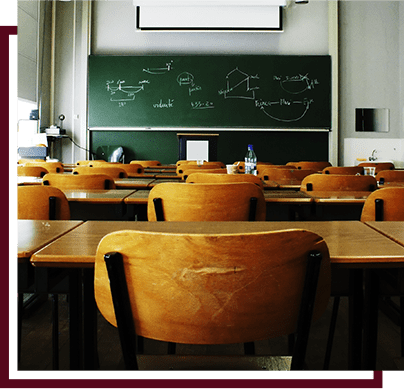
<point>250,161</point>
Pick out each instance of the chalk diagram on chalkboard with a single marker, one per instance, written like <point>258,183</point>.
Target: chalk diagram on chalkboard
<point>164,69</point>
<point>122,93</point>
<point>239,86</point>
<point>296,84</point>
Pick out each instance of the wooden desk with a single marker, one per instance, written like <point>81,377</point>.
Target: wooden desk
<point>347,197</point>
<point>97,196</point>
<point>32,236</point>
<point>352,245</point>
<point>392,229</point>
<point>134,183</point>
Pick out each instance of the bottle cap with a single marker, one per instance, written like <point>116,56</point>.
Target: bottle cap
<point>250,147</point>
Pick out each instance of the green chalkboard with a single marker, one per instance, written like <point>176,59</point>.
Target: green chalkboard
<point>226,91</point>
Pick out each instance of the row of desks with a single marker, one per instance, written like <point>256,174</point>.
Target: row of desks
<point>359,247</point>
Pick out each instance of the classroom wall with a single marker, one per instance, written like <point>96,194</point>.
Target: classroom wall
<point>370,33</point>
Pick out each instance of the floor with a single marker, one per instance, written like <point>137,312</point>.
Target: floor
<point>36,342</point>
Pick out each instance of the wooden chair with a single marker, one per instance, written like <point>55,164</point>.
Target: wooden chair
<point>114,172</point>
<point>223,178</point>
<point>245,287</point>
<point>378,165</point>
<point>42,203</point>
<point>79,181</point>
<point>31,171</point>
<point>51,167</point>
<point>181,168</point>
<point>285,176</point>
<point>23,161</point>
<point>384,204</point>
<point>206,202</point>
<point>337,182</point>
<point>87,162</point>
<point>317,166</point>
<point>388,176</point>
<point>133,169</point>
<point>187,172</point>
<point>146,163</point>
<point>381,205</point>
<point>37,202</point>
<point>260,165</point>
<point>350,170</point>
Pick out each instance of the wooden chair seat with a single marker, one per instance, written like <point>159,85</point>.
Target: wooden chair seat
<point>206,202</point>
<point>223,178</point>
<point>79,181</point>
<point>244,287</point>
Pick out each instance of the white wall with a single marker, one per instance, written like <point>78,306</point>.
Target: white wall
<point>371,73</point>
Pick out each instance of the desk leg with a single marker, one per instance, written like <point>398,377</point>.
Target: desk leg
<point>89,322</point>
<point>75,316</point>
<point>370,319</point>
<point>355,319</point>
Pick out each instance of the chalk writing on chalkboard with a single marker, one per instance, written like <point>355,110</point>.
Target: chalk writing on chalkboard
<point>296,84</point>
<point>123,93</point>
<point>164,69</point>
<point>239,85</point>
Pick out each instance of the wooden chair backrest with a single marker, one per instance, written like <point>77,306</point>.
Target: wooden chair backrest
<point>147,163</point>
<point>79,181</point>
<point>31,171</point>
<point>213,288</point>
<point>384,204</point>
<point>223,178</point>
<point>337,182</point>
<point>87,162</point>
<point>317,166</point>
<point>188,171</point>
<point>114,172</point>
<point>23,161</point>
<point>390,176</point>
<point>133,169</point>
<point>378,165</point>
<point>206,202</point>
<point>33,203</point>
<point>350,170</point>
<point>285,175</point>
<point>207,165</point>
<point>193,162</point>
<point>51,167</point>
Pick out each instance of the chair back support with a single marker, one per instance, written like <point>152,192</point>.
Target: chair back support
<point>42,203</point>
<point>206,202</point>
<point>147,163</point>
<point>193,162</point>
<point>211,288</point>
<point>223,178</point>
<point>317,166</point>
<point>114,172</point>
<point>390,176</point>
<point>337,182</point>
<point>31,171</point>
<point>79,181</point>
<point>350,170</point>
<point>282,176</point>
<point>88,162</point>
<point>187,171</point>
<point>181,168</point>
<point>51,167</point>
<point>378,165</point>
<point>384,204</point>
<point>133,169</point>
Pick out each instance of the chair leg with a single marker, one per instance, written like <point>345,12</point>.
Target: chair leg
<point>55,332</point>
<point>20,313</point>
<point>331,332</point>
<point>249,348</point>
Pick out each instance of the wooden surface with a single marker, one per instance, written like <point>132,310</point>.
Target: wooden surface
<point>392,229</point>
<point>29,180</point>
<point>35,234</point>
<point>133,183</point>
<point>339,197</point>
<point>98,196</point>
<point>351,243</point>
